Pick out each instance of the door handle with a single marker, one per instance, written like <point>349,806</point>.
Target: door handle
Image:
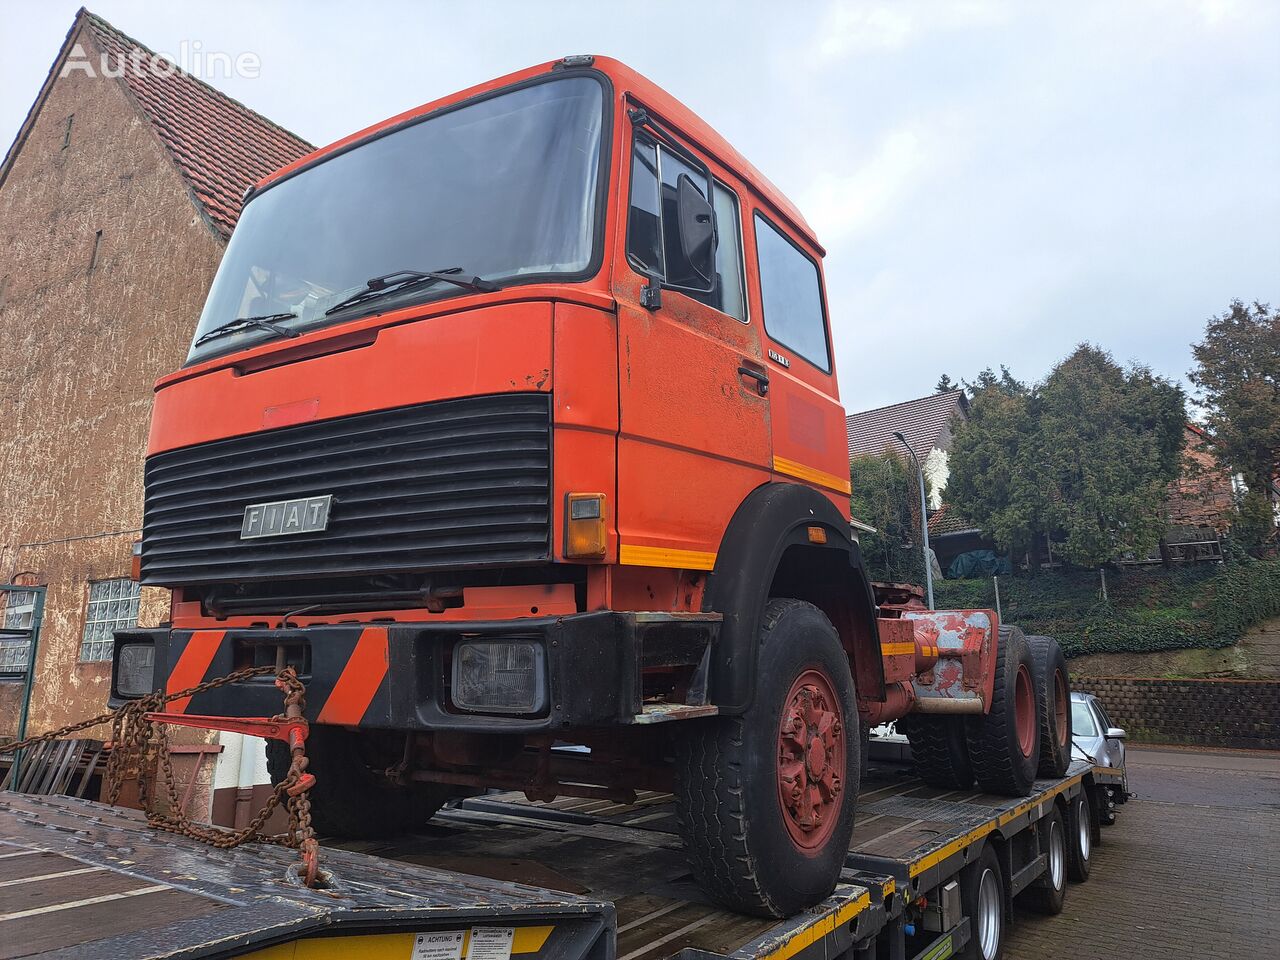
<point>759,376</point>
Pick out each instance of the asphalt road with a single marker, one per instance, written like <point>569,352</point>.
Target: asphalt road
<point>1188,871</point>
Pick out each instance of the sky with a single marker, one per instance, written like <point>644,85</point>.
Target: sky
<point>994,182</point>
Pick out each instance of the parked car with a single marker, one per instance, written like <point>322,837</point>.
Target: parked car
<point>1096,739</point>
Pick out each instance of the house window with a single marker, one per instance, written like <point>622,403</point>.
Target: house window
<point>19,615</point>
<point>113,605</point>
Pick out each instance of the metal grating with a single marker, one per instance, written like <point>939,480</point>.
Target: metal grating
<point>447,484</point>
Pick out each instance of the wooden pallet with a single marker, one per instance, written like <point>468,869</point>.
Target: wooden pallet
<point>50,768</point>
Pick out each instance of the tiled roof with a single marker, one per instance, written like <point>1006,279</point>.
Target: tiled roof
<point>946,521</point>
<point>921,421</point>
<point>219,145</point>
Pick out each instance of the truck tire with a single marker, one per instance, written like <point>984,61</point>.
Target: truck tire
<point>1050,891</point>
<point>349,800</point>
<point>1080,838</point>
<point>982,888</point>
<point>1053,687</point>
<point>766,799</point>
<point>1004,745</point>
<point>938,751</point>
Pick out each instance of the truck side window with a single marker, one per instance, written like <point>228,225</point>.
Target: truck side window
<point>644,222</point>
<point>653,245</point>
<point>727,297</point>
<point>791,295</point>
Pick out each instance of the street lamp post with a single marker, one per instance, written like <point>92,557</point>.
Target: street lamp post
<point>924,520</point>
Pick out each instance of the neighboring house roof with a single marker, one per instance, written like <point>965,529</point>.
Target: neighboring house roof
<point>926,423</point>
<point>219,146</point>
<point>945,522</point>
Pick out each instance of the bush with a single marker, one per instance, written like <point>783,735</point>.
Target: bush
<point>1208,605</point>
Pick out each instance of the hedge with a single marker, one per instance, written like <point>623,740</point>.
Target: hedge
<point>1146,609</point>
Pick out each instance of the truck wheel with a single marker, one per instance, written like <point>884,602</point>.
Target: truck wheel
<point>1004,745</point>
<point>1053,688</point>
<point>939,751</point>
<point>766,799</point>
<point>350,800</point>
<point>1050,890</point>
<point>982,897</point>
<point>1080,838</point>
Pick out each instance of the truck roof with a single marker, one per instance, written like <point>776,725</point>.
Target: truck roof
<point>626,82</point>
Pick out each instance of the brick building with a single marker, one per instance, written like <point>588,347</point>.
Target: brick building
<point>116,201</point>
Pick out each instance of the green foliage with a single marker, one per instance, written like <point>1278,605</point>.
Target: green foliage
<point>1237,377</point>
<point>945,385</point>
<point>1206,605</point>
<point>1085,456</point>
<point>886,495</point>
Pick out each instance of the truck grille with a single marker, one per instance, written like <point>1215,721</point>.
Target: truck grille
<point>446,484</point>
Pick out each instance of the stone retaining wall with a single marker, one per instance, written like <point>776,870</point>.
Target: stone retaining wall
<point>1215,713</point>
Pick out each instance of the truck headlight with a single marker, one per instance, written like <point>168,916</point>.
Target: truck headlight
<point>499,676</point>
<point>135,669</point>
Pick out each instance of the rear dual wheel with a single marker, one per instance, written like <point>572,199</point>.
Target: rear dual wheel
<point>1053,691</point>
<point>1080,831</point>
<point>938,750</point>
<point>1004,744</point>
<point>1050,891</point>
<point>766,799</point>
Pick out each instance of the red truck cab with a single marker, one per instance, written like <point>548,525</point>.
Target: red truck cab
<point>512,422</point>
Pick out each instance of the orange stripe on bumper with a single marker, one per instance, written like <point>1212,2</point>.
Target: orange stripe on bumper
<point>359,681</point>
<point>191,666</point>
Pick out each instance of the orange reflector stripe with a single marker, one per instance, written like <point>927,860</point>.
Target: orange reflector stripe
<point>359,681</point>
<point>192,664</point>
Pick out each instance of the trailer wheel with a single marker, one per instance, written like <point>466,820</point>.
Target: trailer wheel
<point>982,897</point>
<point>1004,745</point>
<point>1053,688</point>
<point>350,800</point>
<point>1050,891</point>
<point>938,750</point>
<point>1080,838</point>
<point>766,799</point>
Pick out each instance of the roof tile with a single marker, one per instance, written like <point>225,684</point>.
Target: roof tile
<point>921,421</point>
<point>219,145</point>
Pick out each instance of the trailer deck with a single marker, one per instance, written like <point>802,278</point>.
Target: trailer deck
<point>493,876</point>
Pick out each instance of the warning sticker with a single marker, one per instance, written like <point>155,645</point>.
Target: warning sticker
<point>491,943</point>
<point>438,945</point>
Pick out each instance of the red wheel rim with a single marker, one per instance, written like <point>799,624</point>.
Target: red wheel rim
<point>1024,711</point>
<point>1060,708</point>
<point>811,760</point>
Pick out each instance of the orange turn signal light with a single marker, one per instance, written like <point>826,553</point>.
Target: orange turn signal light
<point>817,535</point>
<point>135,562</point>
<point>585,537</point>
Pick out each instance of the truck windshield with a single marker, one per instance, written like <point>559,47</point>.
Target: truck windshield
<point>505,187</point>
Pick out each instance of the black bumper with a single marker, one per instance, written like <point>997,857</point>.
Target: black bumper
<point>594,663</point>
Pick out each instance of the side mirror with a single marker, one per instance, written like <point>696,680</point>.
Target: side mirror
<point>697,224</point>
<point>1116,733</point>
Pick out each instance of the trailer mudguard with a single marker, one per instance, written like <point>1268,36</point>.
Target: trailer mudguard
<point>771,519</point>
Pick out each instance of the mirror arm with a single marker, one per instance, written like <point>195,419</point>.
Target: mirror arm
<point>651,293</point>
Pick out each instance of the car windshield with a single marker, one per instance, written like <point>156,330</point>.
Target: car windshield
<point>1082,724</point>
<point>503,188</point>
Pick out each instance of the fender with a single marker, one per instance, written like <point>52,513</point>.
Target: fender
<point>771,519</point>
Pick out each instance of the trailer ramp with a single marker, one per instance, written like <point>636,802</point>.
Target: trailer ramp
<point>80,879</point>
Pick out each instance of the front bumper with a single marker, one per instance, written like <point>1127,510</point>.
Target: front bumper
<point>398,676</point>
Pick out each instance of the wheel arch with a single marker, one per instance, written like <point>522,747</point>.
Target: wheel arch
<point>768,551</point>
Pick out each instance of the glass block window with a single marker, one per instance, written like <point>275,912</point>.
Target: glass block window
<point>19,613</point>
<point>113,605</point>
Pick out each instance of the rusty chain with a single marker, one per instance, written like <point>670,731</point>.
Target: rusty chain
<point>140,746</point>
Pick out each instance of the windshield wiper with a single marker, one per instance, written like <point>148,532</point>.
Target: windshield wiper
<point>242,323</point>
<point>405,279</point>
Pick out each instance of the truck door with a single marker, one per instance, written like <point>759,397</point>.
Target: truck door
<point>809,435</point>
<point>693,385</point>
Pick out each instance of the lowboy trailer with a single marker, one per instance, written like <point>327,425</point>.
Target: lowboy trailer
<point>931,873</point>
